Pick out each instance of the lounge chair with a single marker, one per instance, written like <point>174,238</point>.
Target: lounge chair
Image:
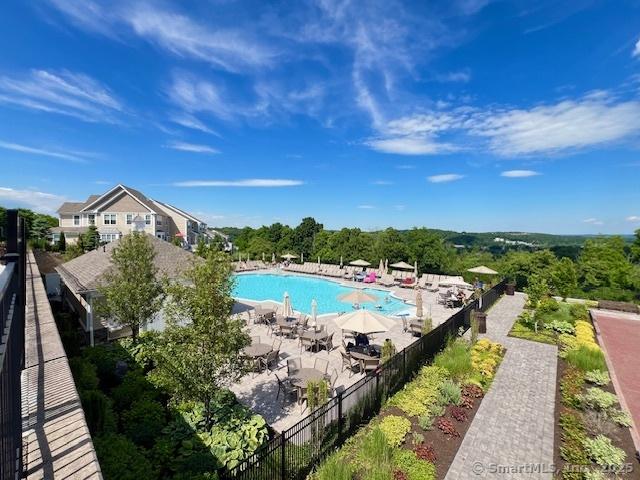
<point>370,278</point>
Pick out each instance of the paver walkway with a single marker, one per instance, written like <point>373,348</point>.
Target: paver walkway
<point>514,426</point>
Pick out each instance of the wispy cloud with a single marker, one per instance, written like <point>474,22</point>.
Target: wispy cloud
<point>405,167</point>
<point>63,92</point>
<point>400,208</point>
<point>39,201</point>
<point>461,76</point>
<point>250,182</point>
<point>633,218</point>
<point>192,147</point>
<point>409,146</point>
<point>366,207</point>
<point>519,173</point>
<point>446,177</point>
<point>382,182</point>
<point>593,221</point>
<point>190,121</point>
<point>16,147</point>
<point>636,49</point>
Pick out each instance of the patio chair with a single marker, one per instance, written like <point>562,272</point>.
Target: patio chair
<point>285,387</point>
<point>302,396</point>
<point>327,343</point>
<point>323,328</point>
<point>276,344</point>
<point>369,364</point>
<point>293,365</point>
<point>321,365</point>
<point>271,358</point>
<point>404,324</point>
<point>416,329</point>
<point>306,344</point>
<point>348,362</point>
<point>348,335</point>
<point>287,331</point>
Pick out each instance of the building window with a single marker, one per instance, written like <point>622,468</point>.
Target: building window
<point>159,221</point>
<point>92,219</point>
<point>129,218</point>
<point>147,219</point>
<point>109,218</point>
<point>108,237</point>
<point>76,220</point>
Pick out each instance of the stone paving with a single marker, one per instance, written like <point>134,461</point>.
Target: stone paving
<point>514,427</point>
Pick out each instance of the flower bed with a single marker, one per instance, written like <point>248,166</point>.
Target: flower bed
<point>418,432</point>
<point>592,439</point>
<point>547,322</point>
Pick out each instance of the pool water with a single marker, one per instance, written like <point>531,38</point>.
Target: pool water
<point>302,290</point>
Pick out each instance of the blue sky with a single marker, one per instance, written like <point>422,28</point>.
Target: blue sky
<point>468,115</point>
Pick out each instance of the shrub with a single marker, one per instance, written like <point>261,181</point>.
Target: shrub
<point>134,386</point>
<point>466,402</point>
<point>456,359</point>
<point>473,391</point>
<point>121,459</point>
<point>84,374</point>
<point>585,335</point>
<point>547,305</point>
<point>426,452</point>
<point>566,343</point>
<point>395,429</point>
<point>388,350</point>
<point>579,311</point>
<point>415,468</point>
<point>419,397</point>
<point>144,421</point>
<point>597,377</point>
<point>458,414</point>
<point>105,358</point>
<point>598,399</point>
<point>573,437</point>
<point>620,417</point>
<point>603,452</point>
<point>586,359</point>
<point>447,427</point>
<point>571,387</point>
<point>334,468</point>
<point>425,422</point>
<point>560,327</point>
<point>98,412</point>
<point>593,475</point>
<point>450,393</point>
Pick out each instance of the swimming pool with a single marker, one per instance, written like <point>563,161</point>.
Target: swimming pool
<point>302,290</point>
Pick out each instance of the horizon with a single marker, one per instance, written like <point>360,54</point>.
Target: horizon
<point>469,116</point>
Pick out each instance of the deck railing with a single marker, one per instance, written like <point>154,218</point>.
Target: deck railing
<point>12,312</point>
<point>292,454</point>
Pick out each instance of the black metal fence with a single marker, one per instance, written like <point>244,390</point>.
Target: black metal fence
<point>292,454</point>
<point>12,311</point>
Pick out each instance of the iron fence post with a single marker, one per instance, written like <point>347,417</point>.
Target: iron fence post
<point>283,456</point>
<point>340,420</point>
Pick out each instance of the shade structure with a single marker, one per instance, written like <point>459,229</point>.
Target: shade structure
<point>359,263</point>
<point>287,308</point>
<point>482,270</point>
<point>364,321</point>
<point>357,296</point>
<point>314,312</point>
<point>455,282</point>
<point>381,267</point>
<point>289,256</point>
<point>402,266</point>
<point>419,312</point>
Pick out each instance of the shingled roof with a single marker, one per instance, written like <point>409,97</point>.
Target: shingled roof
<point>83,274</point>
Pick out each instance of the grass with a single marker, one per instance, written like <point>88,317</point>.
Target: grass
<point>456,359</point>
<point>587,359</point>
<point>334,468</point>
<point>563,314</point>
<point>520,330</point>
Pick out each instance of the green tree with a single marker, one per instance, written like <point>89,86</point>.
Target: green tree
<point>391,246</point>
<point>40,227</point>
<point>536,290</point>
<point>430,251</point>
<point>90,238</point>
<point>200,351</point>
<point>304,235</point>
<point>131,292</point>
<point>635,248</point>
<point>603,263</point>
<point>519,266</point>
<point>564,277</point>
<point>62,243</point>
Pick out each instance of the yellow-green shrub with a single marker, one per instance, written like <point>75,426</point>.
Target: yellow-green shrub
<point>395,429</point>
<point>418,397</point>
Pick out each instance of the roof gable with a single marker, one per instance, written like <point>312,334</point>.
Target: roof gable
<point>116,192</point>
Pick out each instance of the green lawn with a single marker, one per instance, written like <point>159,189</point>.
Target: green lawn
<point>525,331</point>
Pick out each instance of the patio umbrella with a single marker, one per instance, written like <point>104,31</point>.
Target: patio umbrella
<point>381,268</point>
<point>482,270</point>
<point>455,282</point>
<point>263,256</point>
<point>273,258</point>
<point>287,309</point>
<point>302,257</point>
<point>402,266</point>
<point>341,261</point>
<point>314,312</point>
<point>357,296</point>
<point>289,256</point>
<point>419,312</point>
<point>364,321</point>
<point>359,263</point>
<point>386,265</point>
<point>415,269</point>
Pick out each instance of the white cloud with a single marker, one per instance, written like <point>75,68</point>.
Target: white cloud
<point>405,167</point>
<point>366,207</point>
<point>593,221</point>
<point>192,122</point>
<point>192,147</point>
<point>250,182</point>
<point>63,92</point>
<point>382,182</point>
<point>633,218</point>
<point>519,173</point>
<point>409,146</point>
<point>71,156</point>
<point>400,208</point>
<point>636,49</point>
<point>33,199</point>
<point>447,177</point>
<point>461,76</point>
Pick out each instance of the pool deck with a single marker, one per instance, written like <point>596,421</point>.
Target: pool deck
<point>258,391</point>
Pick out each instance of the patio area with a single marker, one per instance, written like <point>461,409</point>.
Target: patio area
<point>258,390</point>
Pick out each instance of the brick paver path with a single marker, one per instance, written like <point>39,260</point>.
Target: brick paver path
<point>514,426</point>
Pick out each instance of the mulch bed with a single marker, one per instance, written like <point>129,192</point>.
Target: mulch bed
<point>621,436</point>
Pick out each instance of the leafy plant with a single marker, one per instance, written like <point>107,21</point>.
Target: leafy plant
<point>458,414</point>
<point>620,417</point>
<point>395,429</point>
<point>425,422</point>
<point>447,427</point>
<point>334,468</point>
<point>466,402</point>
<point>603,452</point>
<point>417,438</point>
<point>573,436</point>
<point>450,393</point>
<point>597,377</point>
<point>420,396</point>
<point>84,374</point>
<point>134,386</point>
<point>560,327</point>
<point>415,468</point>
<point>472,391</point>
<point>571,385</point>
<point>586,359</point>
<point>144,421</point>
<point>98,412</point>
<point>426,452</point>
<point>579,311</point>
<point>456,359</point>
<point>388,350</point>
<point>121,459</point>
<point>598,399</point>
<point>427,325</point>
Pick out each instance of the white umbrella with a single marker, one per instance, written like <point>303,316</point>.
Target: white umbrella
<point>359,263</point>
<point>289,256</point>
<point>402,266</point>
<point>381,268</point>
<point>482,270</point>
<point>341,261</point>
<point>273,258</point>
<point>287,309</point>
<point>455,282</point>
<point>364,321</point>
<point>386,265</point>
<point>415,269</point>
<point>419,312</point>
<point>357,296</point>
<point>314,312</point>
<point>263,256</point>
<point>302,257</point>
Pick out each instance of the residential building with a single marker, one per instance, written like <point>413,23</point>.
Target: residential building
<point>124,209</point>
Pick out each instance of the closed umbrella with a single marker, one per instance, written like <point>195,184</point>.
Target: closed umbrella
<point>386,265</point>
<point>287,309</point>
<point>273,258</point>
<point>318,260</point>
<point>341,265</point>
<point>302,257</point>
<point>402,266</point>
<point>415,269</point>
<point>381,268</point>
<point>314,312</point>
<point>364,321</point>
<point>482,270</point>
<point>263,256</point>
<point>357,296</point>
<point>419,312</point>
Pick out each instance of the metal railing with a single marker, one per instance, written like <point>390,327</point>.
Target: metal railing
<point>12,312</point>
<point>293,453</point>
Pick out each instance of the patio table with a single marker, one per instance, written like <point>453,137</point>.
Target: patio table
<point>287,321</point>
<point>304,376</point>
<point>257,350</point>
<point>365,353</point>
<point>314,336</point>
